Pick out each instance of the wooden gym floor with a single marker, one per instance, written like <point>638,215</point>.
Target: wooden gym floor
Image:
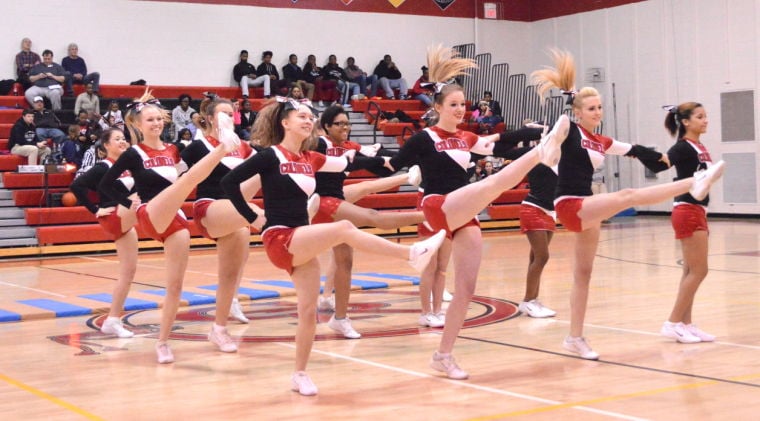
<point>56,367</point>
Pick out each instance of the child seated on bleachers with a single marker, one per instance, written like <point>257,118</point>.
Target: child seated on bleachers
<point>71,148</point>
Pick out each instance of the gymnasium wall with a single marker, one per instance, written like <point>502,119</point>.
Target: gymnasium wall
<point>662,52</point>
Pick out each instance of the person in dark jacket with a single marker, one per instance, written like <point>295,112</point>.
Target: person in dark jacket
<point>295,76</point>
<point>24,141</point>
<point>389,77</point>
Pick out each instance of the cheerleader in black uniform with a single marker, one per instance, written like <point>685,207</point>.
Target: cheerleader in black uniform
<point>335,206</point>
<point>443,153</point>
<point>115,219</point>
<point>687,122</point>
<point>156,166</point>
<point>576,207</point>
<point>287,169</point>
<point>217,218</point>
<point>537,223</point>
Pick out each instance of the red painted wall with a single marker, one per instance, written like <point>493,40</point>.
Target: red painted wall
<point>518,10</point>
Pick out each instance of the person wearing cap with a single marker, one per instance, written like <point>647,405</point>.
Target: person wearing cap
<point>245,74</point>
<point>24,141</point>
<point>423,93</point>
<point>46,123</point>
<point>76,71</point>
<point>46,78</point>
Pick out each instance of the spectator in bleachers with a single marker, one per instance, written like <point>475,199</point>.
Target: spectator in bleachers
<point>357,75</point>
<point>389,77</point>
<point>185,136</point>
<point>181,114</point>
<point>247,117</point>
<point>88,101</point>
<point>424,93</point>
<point>76,71</point>
<point>46,78</point>
<point>296,93</point>
<point>266,68</point>
<point>493,105</point>
<point>89,129</point>
<point>25,60</point>
<point>24,140</point>
<point>89,159</point>
<point>245,74</point>
<point>295,76</point>
<point>484,118</point>
<point>332,71</point>
<point>112,117</point>
<point>72,150</point>
<point>313,75</point>
<point>46,122</point>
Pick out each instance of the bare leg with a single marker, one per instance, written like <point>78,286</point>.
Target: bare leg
<point>539,255</point>
<point>310,240</point>
<point>464,203</point>
<point>232,252</point>
<point>327,290</point>
<point>694,272</point>
<point>363,217</point>
<point>585,249</point>
<point>126,250</point>
<point>356,191</point>
<point>176,251</point>
<point>306,280</point>
<point>467,251</point>
<point>433,280</point>
<point>164,206</point>
<point>602,206</point>
<point>344,258</point>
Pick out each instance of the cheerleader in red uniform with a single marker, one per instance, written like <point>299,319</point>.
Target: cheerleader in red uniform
<point>115,219</point>
<point>687,122</point>
<point>335,206</point>
<point>451,202</point>
<point>155,167</point>
<point>537,223</point>
<point>287,168</point>
<point>217,218</point>
<point>580,211</point>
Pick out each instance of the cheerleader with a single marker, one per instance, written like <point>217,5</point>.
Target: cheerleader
<point>218,220</point>
<point>451,203</point>
<point>335,207</point>
<point>156,166</point>
<point>687,122</point>
<point>537,223</point>
<point>287,169</point>
<point>580,211</point>
<point>116,220</point>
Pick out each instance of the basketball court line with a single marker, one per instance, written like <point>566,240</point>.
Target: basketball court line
<point>33,289</point>
<point>60,402</point>
<point>465,384</point>
<point>644,332</point>
<point>620,364</point>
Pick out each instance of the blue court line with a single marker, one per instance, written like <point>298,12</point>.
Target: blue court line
<point>191,298</point>
<point>9,316</point>
<point>129,305</point>
<point>274,283</point>
<point>253,294</point>
<point>60,309</point>
<point>415,280</point>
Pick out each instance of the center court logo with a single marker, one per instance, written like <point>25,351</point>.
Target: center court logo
<point>402,321</point>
